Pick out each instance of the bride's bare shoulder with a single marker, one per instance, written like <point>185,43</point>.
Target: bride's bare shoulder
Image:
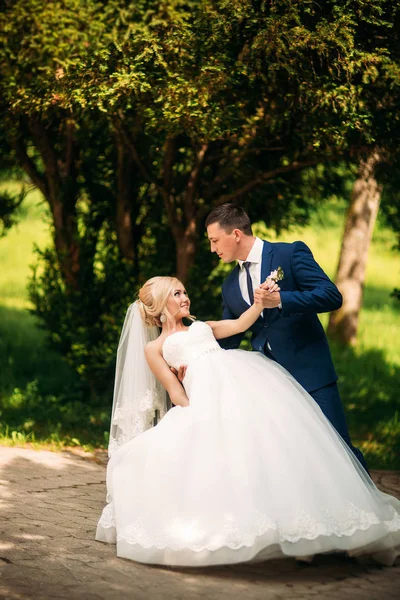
<point>154,347</point>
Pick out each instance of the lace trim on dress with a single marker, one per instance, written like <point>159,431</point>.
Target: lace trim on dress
<point>231,536</point>
<point>107,518</point>
<point>129,427</point>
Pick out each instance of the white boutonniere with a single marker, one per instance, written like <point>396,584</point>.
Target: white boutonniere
<point>276,275</point>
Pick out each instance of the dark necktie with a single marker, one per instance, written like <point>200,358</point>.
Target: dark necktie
<point>249,282</point>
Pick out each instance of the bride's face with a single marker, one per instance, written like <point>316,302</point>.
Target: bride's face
<point>178,302</point>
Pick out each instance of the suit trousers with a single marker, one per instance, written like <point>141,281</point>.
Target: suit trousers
<point>328,399</point>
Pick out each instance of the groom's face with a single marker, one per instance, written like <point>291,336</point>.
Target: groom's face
<point>223,243</point>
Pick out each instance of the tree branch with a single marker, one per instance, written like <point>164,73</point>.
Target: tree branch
<point>123,215</point>
<point>266,178</point>
<point>50,161</point>
<point>232,162</point>
<point>29,166</point>
<point>135,154</point>
<point>69,153</point>
<point>169,155</point>
<point>193,181</point>
<point>165,191</point>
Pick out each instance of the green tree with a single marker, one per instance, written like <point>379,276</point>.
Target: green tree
<point>134,119</point>
<point>378,164</point>
<point>236,98</point>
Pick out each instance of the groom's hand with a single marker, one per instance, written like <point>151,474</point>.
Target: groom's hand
<point>180,373</point>
<point>268,298</point>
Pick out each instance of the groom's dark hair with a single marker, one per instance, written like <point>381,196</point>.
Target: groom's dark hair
<point>230,217</point>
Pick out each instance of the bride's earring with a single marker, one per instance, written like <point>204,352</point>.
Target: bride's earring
<point>163,318</point>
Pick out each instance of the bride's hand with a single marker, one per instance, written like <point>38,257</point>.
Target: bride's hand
<point>268,294</point>
<point>270,286</point>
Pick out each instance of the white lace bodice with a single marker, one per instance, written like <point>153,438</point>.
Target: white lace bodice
<point>182,347</point>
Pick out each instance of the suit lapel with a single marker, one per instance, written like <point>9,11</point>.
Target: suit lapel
<point>266,261</point>
<point>266,269</point>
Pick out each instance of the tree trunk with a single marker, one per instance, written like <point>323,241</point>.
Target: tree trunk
<point>66,240</point>
<point>359,225</point>
<point>185,251</point>
<point>57,182</point>
<point>124,197</point>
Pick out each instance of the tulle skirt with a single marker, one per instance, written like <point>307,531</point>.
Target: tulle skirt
<point>251,470</point>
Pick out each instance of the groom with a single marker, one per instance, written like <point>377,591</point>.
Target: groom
<point>288,330</point>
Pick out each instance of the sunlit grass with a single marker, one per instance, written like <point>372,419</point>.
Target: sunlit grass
<point>53,442</point>
<point>16,248</point>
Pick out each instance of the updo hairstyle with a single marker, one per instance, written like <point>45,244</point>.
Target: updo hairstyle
<point>153,298</point>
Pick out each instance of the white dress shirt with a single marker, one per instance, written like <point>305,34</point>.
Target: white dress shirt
<point>255,258</point>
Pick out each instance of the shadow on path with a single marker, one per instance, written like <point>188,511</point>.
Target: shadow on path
<point>50,503</point>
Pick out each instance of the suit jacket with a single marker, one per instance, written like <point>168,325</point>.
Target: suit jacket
<point>294,333</point>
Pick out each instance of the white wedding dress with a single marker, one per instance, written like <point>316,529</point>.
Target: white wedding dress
<point>251,470</point>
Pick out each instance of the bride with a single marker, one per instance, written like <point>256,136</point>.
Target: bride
<point>244,467</point>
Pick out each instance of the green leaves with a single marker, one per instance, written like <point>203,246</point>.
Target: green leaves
<point>136,118</point>
<point>203,67</point>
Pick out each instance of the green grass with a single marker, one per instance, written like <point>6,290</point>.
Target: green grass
<point>40,397</point>
<point>38,401</point>
<point>16,248</point>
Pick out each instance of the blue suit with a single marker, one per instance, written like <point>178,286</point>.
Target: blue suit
<point>294,334</point>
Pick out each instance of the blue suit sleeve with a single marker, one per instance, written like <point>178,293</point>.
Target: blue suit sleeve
<point>232,342</point>
<point>316,293</point>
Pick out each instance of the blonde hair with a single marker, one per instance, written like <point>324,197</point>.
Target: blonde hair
<point>153,298</point>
